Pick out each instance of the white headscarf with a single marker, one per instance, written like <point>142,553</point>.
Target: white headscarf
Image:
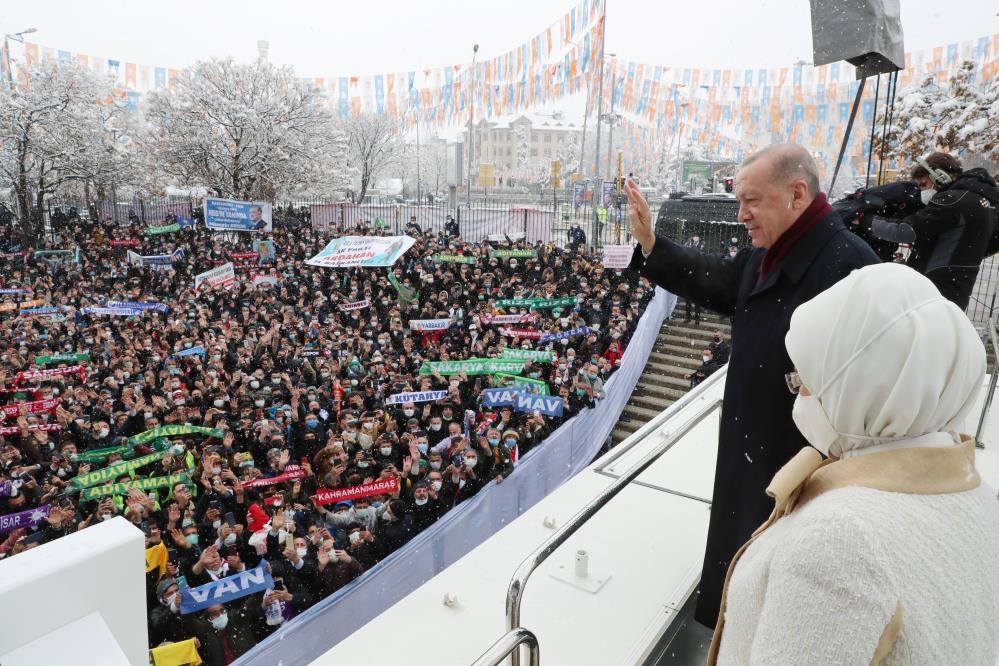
<point>889,362</point>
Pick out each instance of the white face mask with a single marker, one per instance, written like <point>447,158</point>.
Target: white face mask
<point>470,462</point>
<point>386,450</point>
<point>220,622</point>
<point>408,412</point>
<point>926,195</point>
<point>354,537</point>
<point>437,485</point>
<point>435,426</point>
<point>813,423</point>
<point>230,539</point>
<point>301,551</point>
<point>421,502</point>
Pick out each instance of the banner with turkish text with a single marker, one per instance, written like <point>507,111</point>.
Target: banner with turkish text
<point>325,496</point>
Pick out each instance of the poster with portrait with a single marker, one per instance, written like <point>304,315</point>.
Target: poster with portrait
<point>232,215</point>
<point>362,251</point>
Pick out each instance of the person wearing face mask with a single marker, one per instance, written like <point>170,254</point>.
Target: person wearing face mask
<point>395,528</point>
<point>954,232</point>
<point>707,367</point>
<point>869,554</point>
<point>226,632</point>
<point>800,248</point>
<point>165,621</point>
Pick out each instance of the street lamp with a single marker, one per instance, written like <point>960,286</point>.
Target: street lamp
<point>471,119</point>
<point>17,37</point>
<point>611,118</point>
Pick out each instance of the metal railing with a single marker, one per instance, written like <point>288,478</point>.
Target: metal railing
<point>990,394</point>
<point>509,645</point>
<point>515,591</point>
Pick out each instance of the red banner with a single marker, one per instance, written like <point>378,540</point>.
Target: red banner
<point>38,427</point>
<point>326,496</point>
<point>34,407</point>
<point>522,333</point>
<point>291,472</point>
<point>244,255</point>
<point>129,243</point>
<point>29,375</point>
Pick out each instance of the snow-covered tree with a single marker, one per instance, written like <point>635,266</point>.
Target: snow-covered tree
<point>247,131</point>
<point>375,143</point>
<point>55,129</point>
<point>569,154</point>
<point>523,147</point>
<point>927,117</point>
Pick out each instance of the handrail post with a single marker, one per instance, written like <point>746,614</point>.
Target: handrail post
<point>515,591</point>
<point>509,645</point>
<point>990,394</point>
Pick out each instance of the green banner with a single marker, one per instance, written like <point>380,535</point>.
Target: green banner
<point>536,303</point>
<point>99,455</point>
<point>168,229</point>
<point>62,358</point>
<point>114,471</point>
<point>538,355</point>
<point>538,386</point>
<point>145,485</point>
<point>513,254</point>
<point>472,366</point>
<point>53,253</point>
<point>453,259</point>
<point>173,430</point>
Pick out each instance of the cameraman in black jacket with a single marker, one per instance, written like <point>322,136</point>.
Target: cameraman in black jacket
<point>952,234</point>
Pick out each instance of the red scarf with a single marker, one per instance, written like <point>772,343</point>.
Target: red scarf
<point>816,210</point>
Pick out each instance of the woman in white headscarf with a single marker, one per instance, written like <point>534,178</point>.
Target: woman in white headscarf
<point>887,552</point>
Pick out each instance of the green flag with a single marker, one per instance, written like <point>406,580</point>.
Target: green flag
<point>173,430</point>
<point>513,254</point>
<point>536,303</point>
<point>144,485</point>
<point>539,355</point>
<point>167,229</point>
<point>62,358</point>
<point>453,259</point>
<point>536,385</point>
<point>99,455</point>
<point>472,366</point>
<point>113,471</point>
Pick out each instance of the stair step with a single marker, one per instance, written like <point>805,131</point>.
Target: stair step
<point>661,393</point>
<point>680,360</point>
<point>645,414</point>
<point>649,401</point>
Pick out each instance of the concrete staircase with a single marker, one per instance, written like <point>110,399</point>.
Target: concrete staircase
<point>677,352</point>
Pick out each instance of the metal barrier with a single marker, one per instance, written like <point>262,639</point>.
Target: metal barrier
<point>509,645</point>
<point>515,592</point>
<point>987,403</point>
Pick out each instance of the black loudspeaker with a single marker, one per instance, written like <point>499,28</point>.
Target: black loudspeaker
<point>865,33</point>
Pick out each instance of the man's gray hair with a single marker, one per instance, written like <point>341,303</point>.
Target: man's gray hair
<point>789,162</point>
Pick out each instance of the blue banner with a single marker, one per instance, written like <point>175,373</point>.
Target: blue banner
<point>501,397</point>
<point>565,335</point>
<point>231,215</point>
<point>224,590</point>
<point>549,405</point>
<point>578,194</point>
<point>416,396</point>
<point>199,350</point>
<point>138,305</point>
<point>185,221</point>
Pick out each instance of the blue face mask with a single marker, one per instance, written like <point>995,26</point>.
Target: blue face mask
<point>423,448</point>
<point>511,442</point>
<point>312,423</point>
<point>192,539</point>
<point>494,441</point>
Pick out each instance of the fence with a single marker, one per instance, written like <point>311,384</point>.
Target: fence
<point>568,450</point>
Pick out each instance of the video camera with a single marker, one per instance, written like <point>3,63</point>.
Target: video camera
<point>894,200</point>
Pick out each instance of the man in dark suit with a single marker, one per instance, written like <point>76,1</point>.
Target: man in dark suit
<point>800,247</point>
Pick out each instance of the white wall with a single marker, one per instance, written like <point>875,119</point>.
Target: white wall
<point>100,569</point>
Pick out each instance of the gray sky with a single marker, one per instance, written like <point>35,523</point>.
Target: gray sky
<point>346,38</point>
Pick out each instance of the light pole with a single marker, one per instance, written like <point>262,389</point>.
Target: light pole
<point>419,192</point>
<point>17,37</point>
<point>471,119</point>
<point>611,118</point>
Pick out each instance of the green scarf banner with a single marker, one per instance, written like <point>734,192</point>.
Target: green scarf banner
<point>534,385</point>
<point>538,355</point>
<point>99,455</point>
<point>472,366</point>
<point>62,358</point>
<point>536,303</point>
<point>167,229</point>
<point>113,471</point>
<point>145,485</point>
<point>513,254</point>
<point>453,259</point>
<point>172,431</point>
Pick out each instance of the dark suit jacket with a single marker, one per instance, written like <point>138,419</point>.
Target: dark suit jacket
<point>756,434</point>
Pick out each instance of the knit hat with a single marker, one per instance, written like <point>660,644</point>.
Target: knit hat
<point>256,519</point>
<point>164,585</point>
<point>512,433</point>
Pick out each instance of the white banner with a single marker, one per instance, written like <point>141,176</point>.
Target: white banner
<point>218,277</point>
<point>362,251</point>
<point>265,278</point>
<point>508,319</point>
<point>416,396</point>
<point>617,256</point>
<point>430,324</point>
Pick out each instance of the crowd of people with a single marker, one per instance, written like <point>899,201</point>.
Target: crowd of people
<point>225,422</point>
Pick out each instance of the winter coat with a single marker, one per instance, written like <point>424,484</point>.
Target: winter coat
<point>756,434</point>
<point>953,233</point>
